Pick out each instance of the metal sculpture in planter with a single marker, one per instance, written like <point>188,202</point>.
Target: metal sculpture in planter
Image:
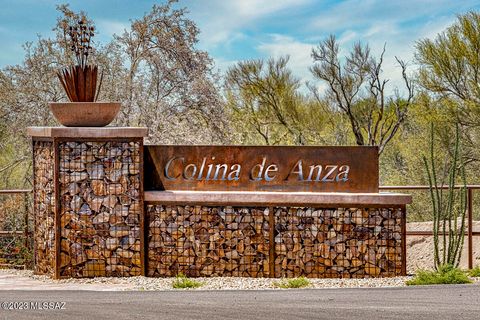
<point>80,84</point>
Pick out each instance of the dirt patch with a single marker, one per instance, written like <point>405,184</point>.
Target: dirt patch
<point>420,248</point>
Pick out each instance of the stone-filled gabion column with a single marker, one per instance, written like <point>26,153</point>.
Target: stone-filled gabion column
<point>88,206</point>
<point>44,207</point>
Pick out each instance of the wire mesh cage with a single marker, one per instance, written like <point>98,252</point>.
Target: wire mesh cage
<point>100,208</point>
<point>208,241</point>
<point>313,242</point>
<point>338,243</point>
<point>44,207</point>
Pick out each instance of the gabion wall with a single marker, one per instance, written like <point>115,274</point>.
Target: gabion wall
<point>44,206</point>
<point>89,221</point>
<point>88,208</point>
<point>338,243</point>
<point>100,209</point>
<point>208,241</point>
<point>311,242</point>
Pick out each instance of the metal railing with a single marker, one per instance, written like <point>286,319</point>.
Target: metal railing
<point>470,233</point>
<point>25,233</point>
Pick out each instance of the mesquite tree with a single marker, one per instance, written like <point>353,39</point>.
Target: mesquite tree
<point>357,89</point>
<point>450,72</point>
<point>448,206</point>
<point>164,79</point>
<point>450,64</point>
<point>263,95</point>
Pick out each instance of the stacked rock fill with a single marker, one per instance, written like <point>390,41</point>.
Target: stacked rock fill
<point>44,237</point>
<point>338,243</point>
<point>208,241</point>
<point>100,209</point>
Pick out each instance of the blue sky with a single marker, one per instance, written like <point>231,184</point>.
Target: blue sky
<point>233,30</point>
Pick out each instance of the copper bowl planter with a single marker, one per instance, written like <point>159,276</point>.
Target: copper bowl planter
<point>84,114</point>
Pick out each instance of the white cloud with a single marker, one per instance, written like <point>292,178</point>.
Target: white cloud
<point>401,43</point>
<point>223,65</point>
<point>398,24</point>
<point>281,46</point>
<point>347,36</point>
<point>221,20</point>
<point>299,53</point>
<point>398,43</point>
<point>110,27</point>
<point>361,13</point>
<point>301,60</point>
<point>257,8</point>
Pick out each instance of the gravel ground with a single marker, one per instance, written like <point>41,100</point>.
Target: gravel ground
<point>213,283</point>
<point>216,283</point>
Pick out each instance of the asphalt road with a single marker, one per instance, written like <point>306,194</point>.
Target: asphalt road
<point>433,302</point>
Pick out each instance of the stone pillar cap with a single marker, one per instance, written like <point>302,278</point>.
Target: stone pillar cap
<point>88,132</point>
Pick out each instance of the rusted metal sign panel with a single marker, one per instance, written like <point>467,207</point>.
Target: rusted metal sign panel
<point>262,168</point>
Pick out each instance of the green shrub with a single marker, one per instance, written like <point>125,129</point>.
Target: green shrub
<point>446,274</point>
<point>301,282</point>
<point>475,272</point>
<point>183,282</point>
